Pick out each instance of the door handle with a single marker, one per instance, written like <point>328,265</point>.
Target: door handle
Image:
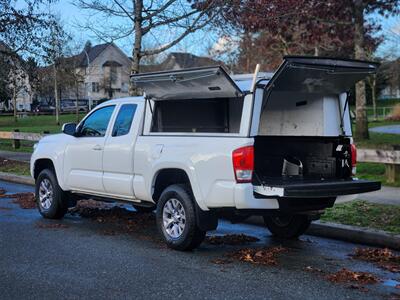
<point>97,148</point>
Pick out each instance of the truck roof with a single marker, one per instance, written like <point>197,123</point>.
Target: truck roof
<point>244,81</point>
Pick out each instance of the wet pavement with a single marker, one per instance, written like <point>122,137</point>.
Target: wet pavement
<point>393,129</point>
<point>79,260</point>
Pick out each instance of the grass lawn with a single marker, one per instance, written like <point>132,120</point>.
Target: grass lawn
<point>374,171</point>
<point>361,213</point>
<point>379,140</point>
<point>15,167</point>
<point>36,123</point>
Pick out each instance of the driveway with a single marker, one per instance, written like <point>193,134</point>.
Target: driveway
<point>80,259</point>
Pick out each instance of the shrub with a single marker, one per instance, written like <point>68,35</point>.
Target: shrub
<point>395,115</point>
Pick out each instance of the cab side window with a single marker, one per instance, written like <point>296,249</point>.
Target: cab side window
<point>124,119</point>
<point>96,124</point>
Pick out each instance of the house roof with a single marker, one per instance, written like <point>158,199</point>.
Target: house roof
<point>81,58</point>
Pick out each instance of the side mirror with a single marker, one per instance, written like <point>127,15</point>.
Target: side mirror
<point>69,128</point>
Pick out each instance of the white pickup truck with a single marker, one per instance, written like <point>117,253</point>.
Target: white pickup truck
<point>202,144</point>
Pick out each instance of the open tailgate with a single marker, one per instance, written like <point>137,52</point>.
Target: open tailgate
<point>313,188</point>
<point>319,75</point>
<point>197,83</point>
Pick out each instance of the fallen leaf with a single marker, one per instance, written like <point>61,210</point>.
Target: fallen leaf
<point>231,239</point>
<point>384,258</point>
<point>348,276</point>
<point>264,256</point>
<point>52,225</point>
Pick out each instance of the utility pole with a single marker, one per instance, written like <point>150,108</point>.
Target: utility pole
<point>87,73</point>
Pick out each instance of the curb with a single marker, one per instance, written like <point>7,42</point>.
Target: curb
<point>353,234</point>
<point>17,178</point>
<point>347,233</point>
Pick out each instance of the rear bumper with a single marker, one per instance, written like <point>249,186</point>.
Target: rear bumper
<point>301,197</point>
<point>292,188</point>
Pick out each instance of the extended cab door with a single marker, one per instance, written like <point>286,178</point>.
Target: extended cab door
<point>119,151</point>
<point>84,155</point>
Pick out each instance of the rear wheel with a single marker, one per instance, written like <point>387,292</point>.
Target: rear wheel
<point>287,226</point>
<point>176,219</point>
<point>52,201</point>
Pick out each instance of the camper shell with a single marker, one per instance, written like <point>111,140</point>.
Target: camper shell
<point>297,116</point>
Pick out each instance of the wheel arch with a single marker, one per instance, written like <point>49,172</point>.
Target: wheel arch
<point>41,164</point>
<point>166,177</point>
<point>206,219</point>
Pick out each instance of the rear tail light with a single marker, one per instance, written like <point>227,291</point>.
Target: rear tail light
<point>353,159</point>
<point>243,164</point>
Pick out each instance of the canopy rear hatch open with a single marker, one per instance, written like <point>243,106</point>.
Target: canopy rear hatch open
<point>319,75</point>
<point>198,83</point>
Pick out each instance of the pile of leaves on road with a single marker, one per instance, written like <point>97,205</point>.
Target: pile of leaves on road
<point>231,239</point>
<point>24,200</point>
<point>347,276</point>
<point>51,225</point>
<point>384,258</point>
<point>121,219</point>
<point>262,256</point>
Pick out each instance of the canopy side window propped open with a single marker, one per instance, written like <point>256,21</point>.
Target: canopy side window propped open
<point>198,83</point>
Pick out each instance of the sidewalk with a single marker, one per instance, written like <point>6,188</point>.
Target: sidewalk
<point>387,195</point>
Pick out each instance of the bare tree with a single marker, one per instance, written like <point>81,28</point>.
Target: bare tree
<point>55,49</point>
<point>148,18</point>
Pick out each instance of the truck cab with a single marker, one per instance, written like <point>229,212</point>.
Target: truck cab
<point>201,144</point>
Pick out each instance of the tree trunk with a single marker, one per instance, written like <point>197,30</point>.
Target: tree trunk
<point>15,103</point>
<point>373,92</point>
<point>136,52</point>
<point>76,103</point>
<point>361,100</point>
<point>56,98</point>
<point>316,51</point>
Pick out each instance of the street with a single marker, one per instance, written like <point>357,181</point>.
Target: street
<point>85,258</point>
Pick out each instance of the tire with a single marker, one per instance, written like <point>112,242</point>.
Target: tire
<point>55,205</point>
<point>287,226</point>
<point>144,209</point>
<point>176,205</point>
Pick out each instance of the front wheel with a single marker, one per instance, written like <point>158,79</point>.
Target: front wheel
<point>287,226</point>
<point>52,201</point>
<point>176,219</point>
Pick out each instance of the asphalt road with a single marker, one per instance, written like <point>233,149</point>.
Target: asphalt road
<point>80,261</point>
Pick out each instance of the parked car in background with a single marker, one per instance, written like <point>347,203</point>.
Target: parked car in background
<point>202,144</point>
<point>69,105</point>
<point>44,108</point>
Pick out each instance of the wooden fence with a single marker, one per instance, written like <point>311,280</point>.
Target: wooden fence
<point>390,158</point>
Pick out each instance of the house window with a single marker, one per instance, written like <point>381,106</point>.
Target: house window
<point>95,87</point>
<point>124,87</point>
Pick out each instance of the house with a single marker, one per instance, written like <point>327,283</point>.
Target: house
<point>16,89</point>
<point>99,72</point>
<point>102,72</point>
<point>389,80</point>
